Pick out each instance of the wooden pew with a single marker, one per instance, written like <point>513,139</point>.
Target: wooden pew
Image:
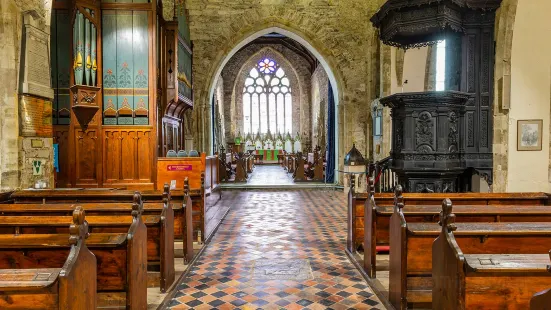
<point>357,203</point>
<point>249,163</point>
<point>318,168</point>
<point>484,281</point>
<point>411,250</point>
<point>241,170</point>
<point>114,196</point>
<point>376,231</point>
<point>204,203</point>
<point>121,260</point>
<point>181,212</point>
<point>72,285</point>
<point>5,197</point>
<point>160,234</point>
<point>291,163</point>
<point>299,170</point>
<point>542,300</point>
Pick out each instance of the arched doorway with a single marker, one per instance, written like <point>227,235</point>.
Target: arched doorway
<point>334,89</point>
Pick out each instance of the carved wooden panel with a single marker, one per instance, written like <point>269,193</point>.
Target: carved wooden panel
<point>86,157</point>
<point>128,156</point>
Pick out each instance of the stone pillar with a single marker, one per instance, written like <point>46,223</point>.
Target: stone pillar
<point>35,143</point>
<point>10,44</point>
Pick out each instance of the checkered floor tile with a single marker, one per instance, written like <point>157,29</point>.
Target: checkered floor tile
<point>295,239</point>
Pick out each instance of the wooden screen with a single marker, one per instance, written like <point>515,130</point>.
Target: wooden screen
<point>116,148</point>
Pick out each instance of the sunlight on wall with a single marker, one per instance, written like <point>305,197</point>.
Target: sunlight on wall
<point>530,94</point>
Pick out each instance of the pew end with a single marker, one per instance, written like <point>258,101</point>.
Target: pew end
<point>542,300</point>
<point>370,244</point>
<point>167,273</point>
<point>447,264</point>
<point>73,286</point>
<point>483,281</point>
<point>397,258</point>
<point>188,229</point>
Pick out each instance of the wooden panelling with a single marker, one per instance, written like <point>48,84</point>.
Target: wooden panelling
<point>128,156</point>
<point>87,159</point>
<point>178,169</point>
<point>119,147</point>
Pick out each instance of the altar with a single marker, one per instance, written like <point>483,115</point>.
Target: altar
<point>268,155</point>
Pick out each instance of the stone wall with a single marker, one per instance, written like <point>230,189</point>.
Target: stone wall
<point>10,45</point>
<point>237,70</point>
<point>505,21</point>
<point>219,102</point>
<point>320,95</point>
<point>14,166</point>
<point>339,31</point>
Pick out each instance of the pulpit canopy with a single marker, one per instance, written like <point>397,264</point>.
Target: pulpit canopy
<point>415,23</point>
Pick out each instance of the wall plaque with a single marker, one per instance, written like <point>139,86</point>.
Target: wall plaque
<point>35,61</point>
<point>36,117</point>
<point>37,143</point>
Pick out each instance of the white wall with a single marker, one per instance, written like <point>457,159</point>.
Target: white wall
<point>415,61</point>
<point>530,93</point>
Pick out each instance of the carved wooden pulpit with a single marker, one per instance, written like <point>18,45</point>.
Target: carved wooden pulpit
<point>441,138</point>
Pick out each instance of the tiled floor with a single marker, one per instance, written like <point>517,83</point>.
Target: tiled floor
<point>277,250</point>
<point>270,175</point>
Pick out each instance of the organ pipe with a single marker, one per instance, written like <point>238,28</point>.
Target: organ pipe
<point>85,50</point>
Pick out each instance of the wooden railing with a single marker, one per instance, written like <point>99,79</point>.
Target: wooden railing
<point>385,178</point>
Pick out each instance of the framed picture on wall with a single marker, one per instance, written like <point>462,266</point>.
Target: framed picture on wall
<point>529,135</point>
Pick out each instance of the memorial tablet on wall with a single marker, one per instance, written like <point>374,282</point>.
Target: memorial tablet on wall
<point>35,117</point>
<point>35,60</point>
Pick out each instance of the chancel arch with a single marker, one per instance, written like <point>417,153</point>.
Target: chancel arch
<point>296,74</point>
<point>205,137</point>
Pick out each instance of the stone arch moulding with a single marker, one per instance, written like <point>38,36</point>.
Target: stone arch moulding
<point>297,35</point>
<point>505,22</point>
<point>289,69</point>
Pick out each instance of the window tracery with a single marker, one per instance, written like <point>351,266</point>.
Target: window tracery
<point>267,100</point>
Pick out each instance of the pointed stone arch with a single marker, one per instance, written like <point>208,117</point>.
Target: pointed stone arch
<point>297,80</point>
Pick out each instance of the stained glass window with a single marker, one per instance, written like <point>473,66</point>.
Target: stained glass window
<point>267,100</point>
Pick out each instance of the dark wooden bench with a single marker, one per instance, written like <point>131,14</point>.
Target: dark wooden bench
<point>411,250</point>
<point>484,281</point>
<point>68,285</point>
<point>160,238</point>
<point>377,231</point>
<point>121,260</point>
<point>357,204</point>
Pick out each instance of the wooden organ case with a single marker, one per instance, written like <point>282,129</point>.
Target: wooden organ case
<point>441,138</point>
<point>110,63</point>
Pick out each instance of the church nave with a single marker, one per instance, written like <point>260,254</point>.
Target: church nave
<point>274,250</point>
